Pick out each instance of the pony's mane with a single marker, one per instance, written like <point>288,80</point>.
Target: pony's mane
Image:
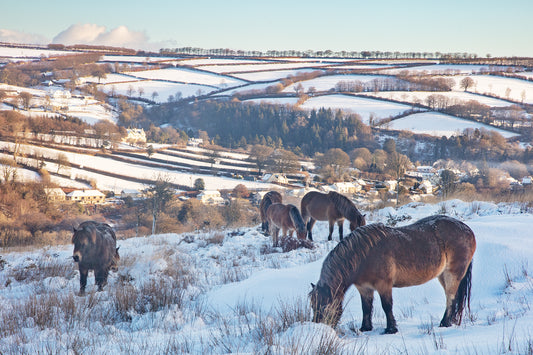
<point>270,198</point>
<point>296,218</point>
<point>345,206</point>
<point>343,259</point>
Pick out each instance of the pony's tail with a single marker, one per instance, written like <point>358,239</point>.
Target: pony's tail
<point>462,297</point>
<point>297,219</point>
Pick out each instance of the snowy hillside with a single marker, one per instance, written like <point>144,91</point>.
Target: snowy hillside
<point>229,291</point>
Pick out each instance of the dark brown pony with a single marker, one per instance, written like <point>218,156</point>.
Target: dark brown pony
<point>269,198</point>
<point>287,218</point>
<point>332,207</point>
<point>95,248</point>
<point>376,257</point>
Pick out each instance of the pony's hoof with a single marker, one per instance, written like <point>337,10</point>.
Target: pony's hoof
<point>391,330</point>
<point>366,328</point>
<point>445,324</point>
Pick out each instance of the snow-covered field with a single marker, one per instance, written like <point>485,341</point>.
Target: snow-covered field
<point>440,124</point>
<point>188,76</point>
<point>365,107</point>
<point>514,89</point>
<point>230,292</point>
<point>245,89</point>
<point>438,69</point>
<point>163,89</point>
<point>271,75</point>
<point>453,97</point>
<point>328,82</point>
<point>275,100</point>
<point>259,67</point>
<point>136,169</point>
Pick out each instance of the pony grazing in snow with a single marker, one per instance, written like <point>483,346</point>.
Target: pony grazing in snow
<point>332,207</point>
<point>95,249</point>
<point>378,258</point>
<point>269,198</point>
<point>287,218</point>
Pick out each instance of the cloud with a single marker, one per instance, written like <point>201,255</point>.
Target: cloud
<point>11,36</point>
<point>99,35</point>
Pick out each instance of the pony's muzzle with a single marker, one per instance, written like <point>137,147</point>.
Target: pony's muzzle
<point>76,257</point>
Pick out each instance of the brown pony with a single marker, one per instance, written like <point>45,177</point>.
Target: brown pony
<point>379,258</point>
<point>95,248</point>
<point>269,198</point>
<point>332,207</point>
<point>287,218</point>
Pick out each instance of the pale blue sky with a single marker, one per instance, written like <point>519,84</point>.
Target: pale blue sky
<point>474,26</point>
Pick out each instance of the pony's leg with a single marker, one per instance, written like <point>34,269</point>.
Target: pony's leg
<point>450,283</point>
<point>340,224</point>
<point>83,279</point>
<point>386,303</point>
<point>310,225</point>
<point>100,278</point>
<point>275,234</point>
<point>331,226</point>
<point>367,300</point>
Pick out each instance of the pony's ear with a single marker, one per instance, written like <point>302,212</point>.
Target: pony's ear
<point>74,229</point>
<point>364,215</point>
<point>313,285</point>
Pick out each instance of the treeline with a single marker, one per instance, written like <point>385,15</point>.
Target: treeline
<point>64,67</point>
<point>94,48</point>
<point>17,127</point>
<point>233,124</point>
<point>476,145</point>
<point>316,53</point>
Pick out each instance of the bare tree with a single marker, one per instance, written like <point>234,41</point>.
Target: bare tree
<point>283,161</point>
<point>260,154</point>
<point>397,164</point>
<point>159,194</point>
<point>25,99</point>
<point>334,163</point>
<point>8,170</point>
<point>466,83</point>
<point>62,161</point>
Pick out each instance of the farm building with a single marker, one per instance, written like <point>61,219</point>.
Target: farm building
<point>55,194</point>
<point>213,197</point>
<point>135,136</point>
<point>275,178</point>
<point>86,196</point>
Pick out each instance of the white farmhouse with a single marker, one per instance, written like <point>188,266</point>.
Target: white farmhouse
<point>345,187</point>
<point>275,178</point>
<point>210,197</point>
<point>135,136</point>
<point>86,196</point>
<point>61,95</point>
<point>426,187</point>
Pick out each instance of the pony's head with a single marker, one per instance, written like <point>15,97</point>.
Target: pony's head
<point>358,222</point>
<point>83,240</point>
<point>301,234</point>
<point>326,308</point>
